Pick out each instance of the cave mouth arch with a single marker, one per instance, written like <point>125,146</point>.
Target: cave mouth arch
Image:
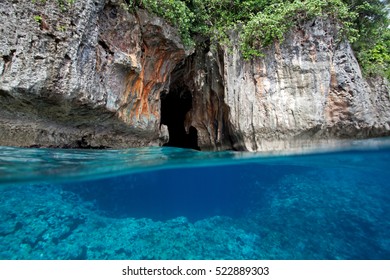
<point>174,107</point>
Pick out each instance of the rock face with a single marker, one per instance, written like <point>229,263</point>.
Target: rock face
<point>305,90</point>
<point>202,74</point>
<point>86,75</point>
<point>91,74</point>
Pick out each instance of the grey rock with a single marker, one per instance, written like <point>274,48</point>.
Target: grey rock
<point>89,75</point>
<point>202,75</point>
<point>305,90</point>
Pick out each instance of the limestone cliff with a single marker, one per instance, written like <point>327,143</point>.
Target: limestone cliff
<point>94,75</point>
<point>306,90</point>
<point>86,75</point>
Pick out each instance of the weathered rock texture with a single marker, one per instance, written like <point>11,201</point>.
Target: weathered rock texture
<point>89,75</point>
<point>305,90</point>
<point>93,75</point>
<point>203,75</point>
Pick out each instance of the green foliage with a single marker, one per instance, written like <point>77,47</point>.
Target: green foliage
<point>261,22</point>
<point>175,12</point>
<point>61,28</point>
<point>376,60</point>
<point>38,19</point>
<point>372,46</point>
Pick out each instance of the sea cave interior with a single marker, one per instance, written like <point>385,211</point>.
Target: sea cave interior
<point>175,105</point>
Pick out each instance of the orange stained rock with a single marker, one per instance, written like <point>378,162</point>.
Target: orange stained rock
<point>156,67</point>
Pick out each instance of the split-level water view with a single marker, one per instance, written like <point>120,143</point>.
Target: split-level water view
<point>171,203</point>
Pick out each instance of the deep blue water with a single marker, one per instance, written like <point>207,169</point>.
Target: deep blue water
<point>168,203</point>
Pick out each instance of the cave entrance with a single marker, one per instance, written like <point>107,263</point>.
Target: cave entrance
<point>174,107</point>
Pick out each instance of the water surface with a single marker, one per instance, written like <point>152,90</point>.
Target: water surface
<point>168,203</point>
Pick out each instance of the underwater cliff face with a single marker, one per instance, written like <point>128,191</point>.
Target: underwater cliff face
<point>94,75</point>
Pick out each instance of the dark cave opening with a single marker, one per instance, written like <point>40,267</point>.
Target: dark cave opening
<point>174,107</point>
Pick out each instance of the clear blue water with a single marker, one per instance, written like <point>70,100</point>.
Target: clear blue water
<point>168,203</point>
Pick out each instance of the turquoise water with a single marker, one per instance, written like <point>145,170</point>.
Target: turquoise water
<point>169,203</point>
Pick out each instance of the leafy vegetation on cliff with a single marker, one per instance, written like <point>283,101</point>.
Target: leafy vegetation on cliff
<point>260,22</point>
<point>372,46</point>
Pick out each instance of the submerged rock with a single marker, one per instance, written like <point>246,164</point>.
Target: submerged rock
<point>93,75</point>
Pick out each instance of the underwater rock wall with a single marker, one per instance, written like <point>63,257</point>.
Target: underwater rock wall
<point>82,75</point>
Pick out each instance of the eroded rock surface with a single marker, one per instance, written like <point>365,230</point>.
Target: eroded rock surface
<point>86,75</point>
<point>309,90</point>
<point>202,75</point>
<point>306,90</point>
